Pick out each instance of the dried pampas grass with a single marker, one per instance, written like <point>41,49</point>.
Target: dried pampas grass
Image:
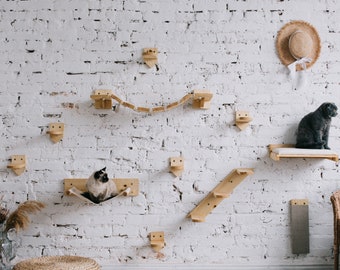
<point>19,219</point>
<point>3,214</point>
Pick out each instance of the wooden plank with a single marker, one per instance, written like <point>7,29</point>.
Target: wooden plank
<point>220,192</point>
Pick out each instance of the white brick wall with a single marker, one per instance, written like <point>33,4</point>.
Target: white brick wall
<point>55,53</point>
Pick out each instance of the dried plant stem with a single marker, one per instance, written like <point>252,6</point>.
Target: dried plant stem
<point>19,219</point>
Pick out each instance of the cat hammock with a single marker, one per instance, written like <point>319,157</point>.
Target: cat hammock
<point>278,151</point>
<point>103,100</point>
<point>77,187</point>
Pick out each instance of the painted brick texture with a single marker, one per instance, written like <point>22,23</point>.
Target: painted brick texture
<point>55,53</point>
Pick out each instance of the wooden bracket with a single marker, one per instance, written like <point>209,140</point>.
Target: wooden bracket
<point>56,131</point>
<point>176,165</point>
<point>157,240</point>
<point>220,192</point>
<point>102,99</point>
<point>242,119</point>
<point>202,99</point>
<point>18,164</point>
<point>130,185</point>
<point>150,56</point>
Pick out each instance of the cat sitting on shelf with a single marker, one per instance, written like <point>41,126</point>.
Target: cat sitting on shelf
<point>313,129</point>
<point>100,187</point>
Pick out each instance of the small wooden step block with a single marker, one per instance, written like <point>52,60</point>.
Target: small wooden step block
<point>102,99</point>
<point>177,165</point>
<point>202,99</point>
<point>56,131</point>
<point>242,119</point>
<point>150,56</point>
<point>18,164</point>
<point>157,240</point>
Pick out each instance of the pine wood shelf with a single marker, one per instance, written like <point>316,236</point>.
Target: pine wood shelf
<point>278,151</point>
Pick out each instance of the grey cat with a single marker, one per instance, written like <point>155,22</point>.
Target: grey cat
<point>313,129</point>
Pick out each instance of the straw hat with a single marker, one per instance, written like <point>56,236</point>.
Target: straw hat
<point>296,40</point>
<point>58,263</point>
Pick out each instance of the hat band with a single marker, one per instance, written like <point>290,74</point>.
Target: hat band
<point>292,68</point>
<point>303,61</point>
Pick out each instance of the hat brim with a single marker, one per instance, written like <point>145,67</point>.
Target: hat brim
<point>282,42</point>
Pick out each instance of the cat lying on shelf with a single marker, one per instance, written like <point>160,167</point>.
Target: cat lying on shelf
<point>100,187</point>
<point>313,129</point>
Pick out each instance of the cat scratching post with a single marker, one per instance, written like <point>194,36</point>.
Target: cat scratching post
<point>299,218</point>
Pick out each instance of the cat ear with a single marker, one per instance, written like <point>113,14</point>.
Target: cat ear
<point>104,169</point>
<point>96,174</point>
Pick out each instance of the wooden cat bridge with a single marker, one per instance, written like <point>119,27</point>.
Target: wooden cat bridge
<point>103,100</point>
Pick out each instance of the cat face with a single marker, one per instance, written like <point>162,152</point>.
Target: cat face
<point>101,176</point>
<point>329,109</point>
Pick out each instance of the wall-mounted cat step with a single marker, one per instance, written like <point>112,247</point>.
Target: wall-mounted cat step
<point>219,193</point>
<point>177,165</point>
<point>150,56</point>
<point>102,99</point>
<point>278,151</point>
<point>157,240</point>
<point>201,100</point>
<point>18,164</point>
<point>77,186</point>
<point>242,119</point>
<point>56,131</point>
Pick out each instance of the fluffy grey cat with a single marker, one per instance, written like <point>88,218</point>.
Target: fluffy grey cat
<point>100,187</point>
<point>313,129</point>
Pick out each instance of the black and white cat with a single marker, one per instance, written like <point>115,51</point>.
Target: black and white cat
<point>100,187</point>
<point>313,129</point>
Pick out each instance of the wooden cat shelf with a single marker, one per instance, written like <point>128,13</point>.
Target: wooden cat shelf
<point>157,240</point>
<point>102,99</point>
<point>56,131</point>
<point>242,119</point>
<point>77,186</point>
<point>150,56</point>
<point>278,151</point>
<point>219,193</point>
<point>177,165</point>
<point>201,99</point>
<point>18,164</point>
